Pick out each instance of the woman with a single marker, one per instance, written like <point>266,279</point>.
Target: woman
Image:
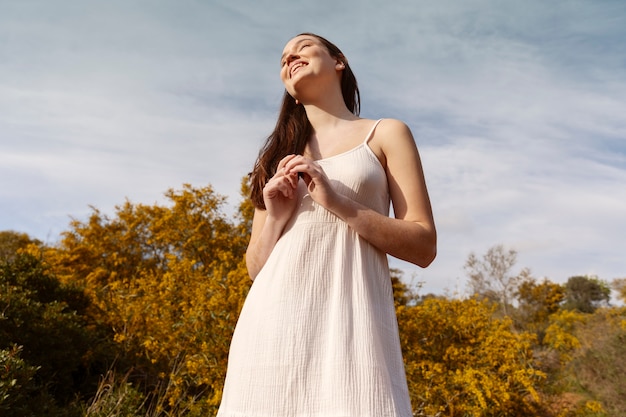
<point>318,334</point>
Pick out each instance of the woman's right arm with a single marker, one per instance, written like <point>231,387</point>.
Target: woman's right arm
<point>279,195</point>
<point>263,238</point>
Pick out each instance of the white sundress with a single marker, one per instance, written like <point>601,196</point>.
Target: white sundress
<point>318,335</point>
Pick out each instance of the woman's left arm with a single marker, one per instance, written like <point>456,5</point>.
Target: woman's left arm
<point>411,235</point>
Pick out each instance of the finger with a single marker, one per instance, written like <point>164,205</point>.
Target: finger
<point>297,164</point>
<point>284,187</point>
<point>284,161</point>
<point>290,178</point>
<point>308,168</point>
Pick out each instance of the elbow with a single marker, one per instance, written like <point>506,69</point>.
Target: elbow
<point>420,251</point>
<point>422,256</point>
<point>428,256</point>
<point>428,252</point>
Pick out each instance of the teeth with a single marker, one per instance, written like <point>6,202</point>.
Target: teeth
<point>295,67</point>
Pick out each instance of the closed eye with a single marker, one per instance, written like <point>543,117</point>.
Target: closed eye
<point>283,62</point>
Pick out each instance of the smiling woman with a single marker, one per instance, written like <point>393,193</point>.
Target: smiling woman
<point>318,334</point>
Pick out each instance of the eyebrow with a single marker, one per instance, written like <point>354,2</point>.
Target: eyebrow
<point>282,57</point>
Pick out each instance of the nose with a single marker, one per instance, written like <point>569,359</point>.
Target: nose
<point>291,57</point>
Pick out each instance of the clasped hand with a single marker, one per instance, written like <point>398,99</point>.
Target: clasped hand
<point>280,191</point>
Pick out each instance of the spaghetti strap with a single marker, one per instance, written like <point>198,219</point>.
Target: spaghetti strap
<point>371,133</point>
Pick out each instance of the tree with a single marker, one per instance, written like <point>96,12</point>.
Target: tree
<point>20,393</point>
<point>585,294</point>
<point>12,242</point>
<point>169,282</point>
<point>536,302</point>
<point>44,334</point>
<point>491,278</point>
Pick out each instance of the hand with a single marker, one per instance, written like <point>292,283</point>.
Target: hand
<point>315,178</point>
<point>279,193</point>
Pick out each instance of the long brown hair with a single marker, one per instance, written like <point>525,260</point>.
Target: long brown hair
<point>293,128</point>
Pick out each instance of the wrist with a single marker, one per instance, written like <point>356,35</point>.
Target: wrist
<point>274,226</point>
<point>342,206</point>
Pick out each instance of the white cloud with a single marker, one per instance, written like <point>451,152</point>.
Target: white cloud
<point>517,109</point>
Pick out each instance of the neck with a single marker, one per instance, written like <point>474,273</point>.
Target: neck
<point>327,117</point>
<point>328,112</point>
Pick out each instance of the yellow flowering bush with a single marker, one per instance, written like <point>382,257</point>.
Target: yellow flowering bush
<point>560,335</point>
<point>169,281</point>
<point>460,361</point>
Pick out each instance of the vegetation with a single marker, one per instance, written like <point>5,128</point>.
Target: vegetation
<point>132,315</point>
<point>461,361</point>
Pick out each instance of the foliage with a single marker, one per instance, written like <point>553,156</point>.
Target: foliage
<point>115,398</point>
<point>460,361</point>
<point>12,242</point>
<point>598,367</point>
<point>560,335</point>
<point>44,317</point>
<point>18,388</point>
<point>491,278</point>
<point>585,294</point>
<point>404,294</point>
<point>169,282</point>
<point>132,314</point>
<point>536,302</point>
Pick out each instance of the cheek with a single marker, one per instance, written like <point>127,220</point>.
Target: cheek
<point>283,74</point>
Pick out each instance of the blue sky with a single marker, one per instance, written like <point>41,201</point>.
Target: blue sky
<point>518,109</point>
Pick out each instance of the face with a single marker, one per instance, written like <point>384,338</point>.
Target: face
<point>306,55</point>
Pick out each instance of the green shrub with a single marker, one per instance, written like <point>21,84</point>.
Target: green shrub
<point>59,349</point>
<point>21,395</point>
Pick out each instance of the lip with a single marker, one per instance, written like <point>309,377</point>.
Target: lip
<point>295,66</point>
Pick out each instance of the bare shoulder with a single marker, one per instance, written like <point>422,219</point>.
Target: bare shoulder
<point>392,136</point>
<point>394,130</point>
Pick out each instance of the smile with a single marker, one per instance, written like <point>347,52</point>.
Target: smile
<point>295,68</point>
